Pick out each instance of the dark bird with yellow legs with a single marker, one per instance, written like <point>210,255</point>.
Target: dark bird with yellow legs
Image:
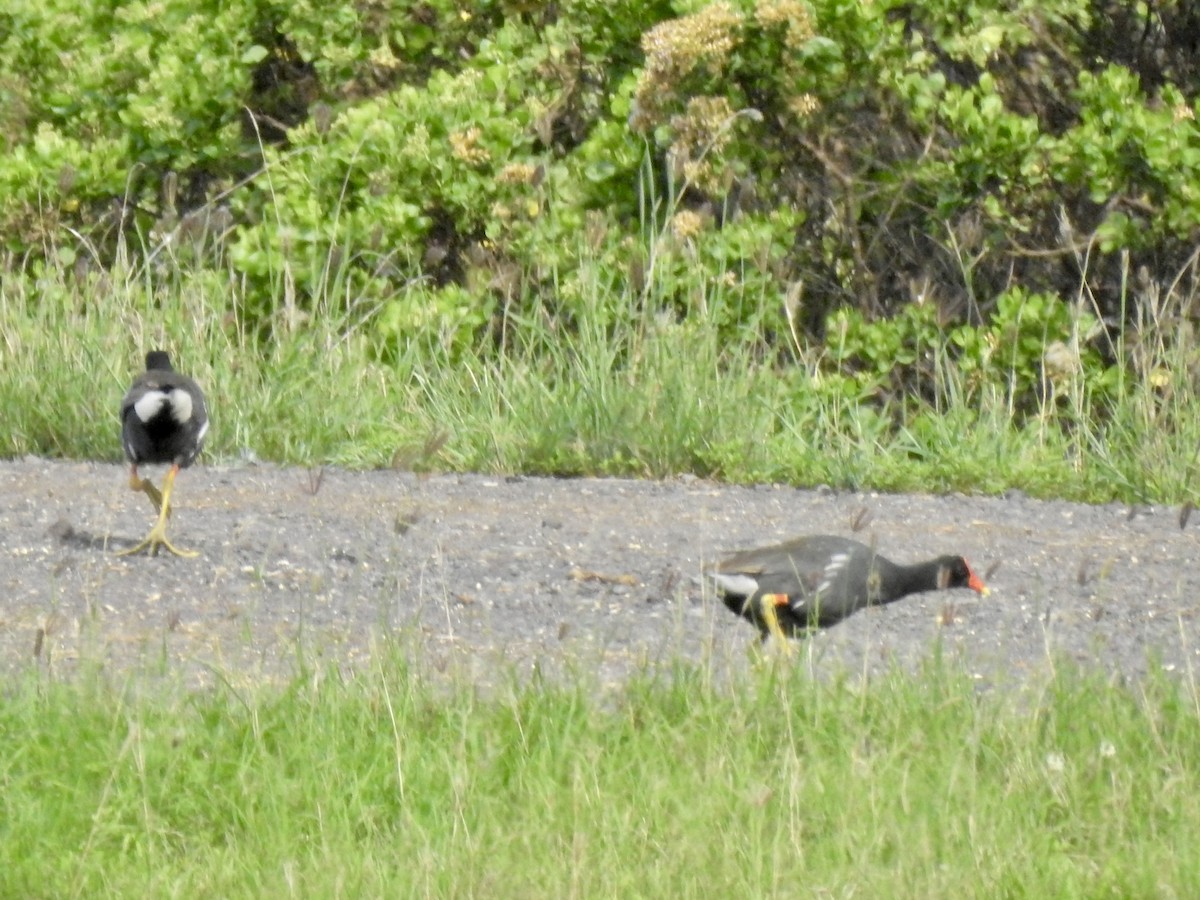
<point>163,420</point>
<point>794,588</point>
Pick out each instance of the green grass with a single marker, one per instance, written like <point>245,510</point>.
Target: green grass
<point>382,784</point>
<point>628,390</point>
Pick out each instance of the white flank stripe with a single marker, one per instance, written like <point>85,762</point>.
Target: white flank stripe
<point>203,432</point>
<point>149,404</point>
<point>832,568</point>
<point>738,585</point>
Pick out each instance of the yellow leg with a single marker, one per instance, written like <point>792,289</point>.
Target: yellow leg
<point>158,534</point>
<point>146,487</point>
<point>769,604</point>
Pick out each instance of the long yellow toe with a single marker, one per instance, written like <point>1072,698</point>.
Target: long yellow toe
<point>158,534</point>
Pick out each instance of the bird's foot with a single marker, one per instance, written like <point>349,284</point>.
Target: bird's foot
<point>158,538</point>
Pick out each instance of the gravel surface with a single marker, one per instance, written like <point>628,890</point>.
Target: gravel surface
<point>485,576</point>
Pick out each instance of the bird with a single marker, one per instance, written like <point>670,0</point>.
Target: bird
<point>163,420</point>
<point>812,582</point>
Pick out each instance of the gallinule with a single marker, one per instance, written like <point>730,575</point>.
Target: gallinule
<point>814,582</point>
<point>163,420</point>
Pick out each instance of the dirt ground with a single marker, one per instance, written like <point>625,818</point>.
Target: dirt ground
<point>490,576</point>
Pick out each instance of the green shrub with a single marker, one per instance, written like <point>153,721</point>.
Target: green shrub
<point>1034,346</point>
<point>453,169</point>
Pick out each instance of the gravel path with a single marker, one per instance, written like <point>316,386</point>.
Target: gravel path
<point>483,576</point>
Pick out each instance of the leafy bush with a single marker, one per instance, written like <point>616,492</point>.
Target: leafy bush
<point>454,169</point>
<point>1034,345</point>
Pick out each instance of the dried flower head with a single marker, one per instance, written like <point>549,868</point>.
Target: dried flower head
<point>686,224</point>
<point>465,146</point>
<point>699,135</point>
<point>517,173</point>
<point>803,105</point>
<point>793,14</point>
<point>677,47</point>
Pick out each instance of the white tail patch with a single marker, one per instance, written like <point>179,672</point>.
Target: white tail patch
<point>181,406</point>
<point>735,583</point>
<point>149,404</point>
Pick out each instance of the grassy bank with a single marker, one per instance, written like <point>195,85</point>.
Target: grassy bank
<point>384,785</point>
<point>628,390</point>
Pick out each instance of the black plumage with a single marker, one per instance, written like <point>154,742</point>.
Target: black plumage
<point>163,420</point>
<point>816,581</point>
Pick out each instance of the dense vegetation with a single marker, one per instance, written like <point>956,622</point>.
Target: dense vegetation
<point>858,220</point>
